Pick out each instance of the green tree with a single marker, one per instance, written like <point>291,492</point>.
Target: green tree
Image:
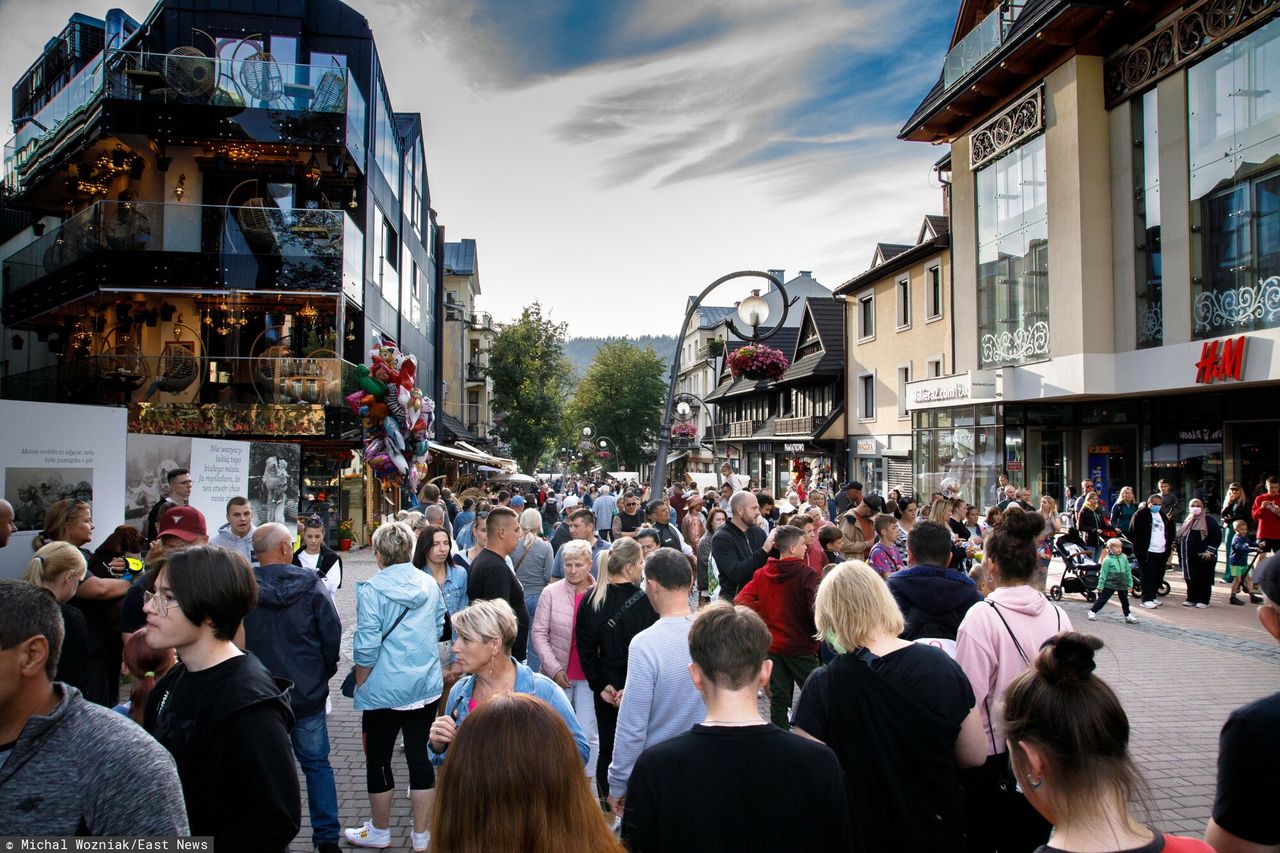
<point>530,384</point>
<point>622,393</point>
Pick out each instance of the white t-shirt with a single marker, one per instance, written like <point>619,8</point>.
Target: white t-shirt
<point>1158,542</point>
<point>331,580</point>
<point>309,561</point>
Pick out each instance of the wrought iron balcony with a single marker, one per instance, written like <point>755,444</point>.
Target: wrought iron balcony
<point>254,246</point>
<point>209,98</point>
<point>795,426</point>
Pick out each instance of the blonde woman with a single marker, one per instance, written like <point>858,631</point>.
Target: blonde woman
<point>1044,545</point>
<point>899,715</point>
<point>607,620</point>
<point>58,569</point>
<point>532,561</point>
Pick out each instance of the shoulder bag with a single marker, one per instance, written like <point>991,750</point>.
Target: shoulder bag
<point>349,683</point>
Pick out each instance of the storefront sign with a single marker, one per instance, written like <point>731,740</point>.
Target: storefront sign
<point>959,389</point>
<point>1221,360</point>
<point>1201,434</point>
<point>793,447</point>
<point>866,447</point>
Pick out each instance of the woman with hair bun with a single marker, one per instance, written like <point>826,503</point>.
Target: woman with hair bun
<point>1068,739</point>
<point>994,644</point>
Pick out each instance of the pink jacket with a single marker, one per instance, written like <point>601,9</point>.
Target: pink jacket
<point>988,655</point>
<point>552,631</point>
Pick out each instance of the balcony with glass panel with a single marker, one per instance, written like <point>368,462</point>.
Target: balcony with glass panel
<point>180,247</point>
<point>185,96</point>
<point>979,43</point>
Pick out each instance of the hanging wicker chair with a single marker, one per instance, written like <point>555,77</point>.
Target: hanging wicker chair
<point>331,93</point>
<point>260,75</point>
<point>178,368</point>
<point>189,71</point>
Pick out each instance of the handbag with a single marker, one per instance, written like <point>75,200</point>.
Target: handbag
<point>349,683</point>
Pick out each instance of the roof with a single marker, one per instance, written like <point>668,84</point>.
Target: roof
<point>460,258</point>
<point>454,428</point>
<point>710,316</point>
<point>915,255</point>
<point>828,320</point>
<point>887,252</point>
<point>936,224</point>
<point>784,339</point>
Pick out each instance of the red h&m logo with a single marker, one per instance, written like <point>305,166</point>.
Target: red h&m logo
<point>1215,364</point>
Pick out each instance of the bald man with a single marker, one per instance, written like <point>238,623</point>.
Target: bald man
<point>7,527</point>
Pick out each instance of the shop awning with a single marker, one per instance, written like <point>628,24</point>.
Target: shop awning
<point>672,457</point>
<point>470,455</point>
<point>498,461</point>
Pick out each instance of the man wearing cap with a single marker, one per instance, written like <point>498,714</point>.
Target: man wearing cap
<point>1249,752</point>
<point>179,527</point>
<point>560,534</point>
<point>850,496</point>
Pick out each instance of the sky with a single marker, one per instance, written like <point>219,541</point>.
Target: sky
<point>613,158</point>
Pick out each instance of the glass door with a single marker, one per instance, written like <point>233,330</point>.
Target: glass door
<point>1255,453</point>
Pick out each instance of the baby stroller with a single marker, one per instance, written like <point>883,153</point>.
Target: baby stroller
<point>1080,571</point>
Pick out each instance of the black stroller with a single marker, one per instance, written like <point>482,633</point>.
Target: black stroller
<point>1080,571</point>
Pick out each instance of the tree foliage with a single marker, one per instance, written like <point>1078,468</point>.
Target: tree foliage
<point>622,394</point>
<point>530,384</point>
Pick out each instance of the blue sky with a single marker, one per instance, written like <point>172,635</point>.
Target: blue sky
<point>610,158</point>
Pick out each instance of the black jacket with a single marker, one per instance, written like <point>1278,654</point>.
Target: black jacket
<point>933,600</point>
<point>1194,544</point>
<point>227,728</point>
<point>328,559</point>
<point>737,555</point>
<point>603,650</point>
<point>1090,525</point>
<point>295,632</point>
<point>1140,531</point>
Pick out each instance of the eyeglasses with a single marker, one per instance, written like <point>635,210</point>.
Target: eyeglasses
<point>162,602</point>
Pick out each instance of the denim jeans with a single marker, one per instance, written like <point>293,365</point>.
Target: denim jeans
<point>584,709</point>
<point>531,657</point>
<point>310,738</point>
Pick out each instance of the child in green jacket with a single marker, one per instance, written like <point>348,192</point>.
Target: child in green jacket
<point>1115,576</point>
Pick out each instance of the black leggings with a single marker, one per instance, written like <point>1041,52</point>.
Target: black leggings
<point>606,728</point>
<point>380,729</point>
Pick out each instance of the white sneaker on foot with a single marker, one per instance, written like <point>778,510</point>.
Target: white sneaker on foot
<point>368,836</point>
<point>1092,616</point>
<point>1150,605</point>
<point>1201,606</point>
<point>1159,603</point>
<point>1131,619</point>
<point>420,840</point>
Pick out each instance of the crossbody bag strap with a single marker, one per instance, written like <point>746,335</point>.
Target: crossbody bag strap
<point>1016,644</point>
<point>626,605</point>
<point>387,633</point>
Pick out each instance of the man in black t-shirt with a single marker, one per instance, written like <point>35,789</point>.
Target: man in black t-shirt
<point>1249,752</point>
<point>180,485</point>
<point>491,575</point>
<point>783,792</point>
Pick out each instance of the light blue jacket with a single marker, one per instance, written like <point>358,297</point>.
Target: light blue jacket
<point>406,667</point>
<point>527,681</point>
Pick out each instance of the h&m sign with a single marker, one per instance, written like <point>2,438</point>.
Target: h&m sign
<point>1220,360</point>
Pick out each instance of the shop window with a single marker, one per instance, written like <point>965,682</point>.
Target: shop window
<point>933,293</point>
<point>866,396</point>
<point>904,303</point>
<point>867,317</point>
<point>904,376</point>
<point>1146,210</point>
<point>1233,114</point>
<point>1013,258</point>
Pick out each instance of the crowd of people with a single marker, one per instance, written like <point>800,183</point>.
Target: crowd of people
<point>582,669</point>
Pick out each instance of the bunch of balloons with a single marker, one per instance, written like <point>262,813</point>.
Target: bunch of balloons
<point>397,415</point>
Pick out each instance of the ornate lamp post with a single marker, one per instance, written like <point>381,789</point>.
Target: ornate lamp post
<point>753,312</point>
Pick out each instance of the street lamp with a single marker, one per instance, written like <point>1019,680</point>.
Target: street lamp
<point>753,312</point>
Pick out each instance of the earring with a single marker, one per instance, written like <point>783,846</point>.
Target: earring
<point>1034,784</point>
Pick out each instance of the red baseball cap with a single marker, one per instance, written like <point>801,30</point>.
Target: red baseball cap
<point>185,522</point>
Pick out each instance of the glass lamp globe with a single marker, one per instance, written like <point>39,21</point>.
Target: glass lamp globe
<point>753,311</point>
<point>586,431</point>
<point>683,409</point>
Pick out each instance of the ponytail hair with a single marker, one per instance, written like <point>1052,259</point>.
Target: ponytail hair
<point>622,553</point>
<point>145,666</point>
<point>531,527</point>
<point>52,562</point>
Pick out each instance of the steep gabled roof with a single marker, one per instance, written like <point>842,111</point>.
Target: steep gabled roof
<point>933,226</point>
<point>887,252</point>
<point>710,316</point>
<point>827,317</point>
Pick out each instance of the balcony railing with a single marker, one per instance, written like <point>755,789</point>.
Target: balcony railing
<point>482,322</point>
<point>744,429</point>
<point>125,378</point>
<point>183,246</point>
<point>266,100</point>
<point>475,372</point>
<point>795,426</point>
<point>980,42</point>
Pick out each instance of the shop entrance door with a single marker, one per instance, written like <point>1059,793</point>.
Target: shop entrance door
<point>1255,453</point>
<point>1048,456</point>
<point>1110,457</point>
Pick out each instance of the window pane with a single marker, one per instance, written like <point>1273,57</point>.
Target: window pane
<point>1150,304</point>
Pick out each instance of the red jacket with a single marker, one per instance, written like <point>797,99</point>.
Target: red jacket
<point>1268,521</point>
<point>782,592</point>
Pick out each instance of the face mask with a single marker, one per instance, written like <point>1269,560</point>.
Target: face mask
<point>1195,510</point>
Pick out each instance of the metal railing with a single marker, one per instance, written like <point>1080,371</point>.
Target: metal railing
<point>482,322</point>
<point>191,78</point>
<point>307,243</point>
<point>475,371</point>
<point>125,377</point>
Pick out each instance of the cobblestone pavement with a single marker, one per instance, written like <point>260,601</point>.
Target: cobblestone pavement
<point>1179,673</point>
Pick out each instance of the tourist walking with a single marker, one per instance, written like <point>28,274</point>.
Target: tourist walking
<point>582,527</point>
<point>532,560</point>
<point>1044,545</point>
<point>1198,540</point>
<point>740,546</point>
<point>237,533</point>
<point>1152,535</point>
<point>490,574</point>
<point>1266,512</point>
<point>997,641</point>
<point>433,554</point>
<point>400,616</point>
<point>716,519</point>
<point>884,557</point>
<point>899,715</point>
<point>1123,510</point>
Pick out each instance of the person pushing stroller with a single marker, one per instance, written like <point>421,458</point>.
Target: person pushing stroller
<point>1114,576</point>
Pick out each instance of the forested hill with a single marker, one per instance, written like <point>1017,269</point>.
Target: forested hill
<point>580,351</point>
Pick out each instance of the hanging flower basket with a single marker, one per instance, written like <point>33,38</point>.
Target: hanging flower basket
<point>757,361</point>
<point>688,429</point>
<point>603,454</point>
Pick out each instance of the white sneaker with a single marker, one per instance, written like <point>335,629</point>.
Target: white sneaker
<point>368,836</point>
<point>420,840</point>
<point>1091,615</point>
<point>1159,603</point>
<point>1201,606</point>
<point>1150,605</point>
<point>1131,619</point>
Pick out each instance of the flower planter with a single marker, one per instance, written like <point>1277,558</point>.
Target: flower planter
<point>344,544</point>
<point>757,362</point>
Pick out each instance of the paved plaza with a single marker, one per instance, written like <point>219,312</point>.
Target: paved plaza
<point>1179,672</point>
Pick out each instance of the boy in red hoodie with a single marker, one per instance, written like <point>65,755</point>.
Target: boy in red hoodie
<point>782,592</point>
